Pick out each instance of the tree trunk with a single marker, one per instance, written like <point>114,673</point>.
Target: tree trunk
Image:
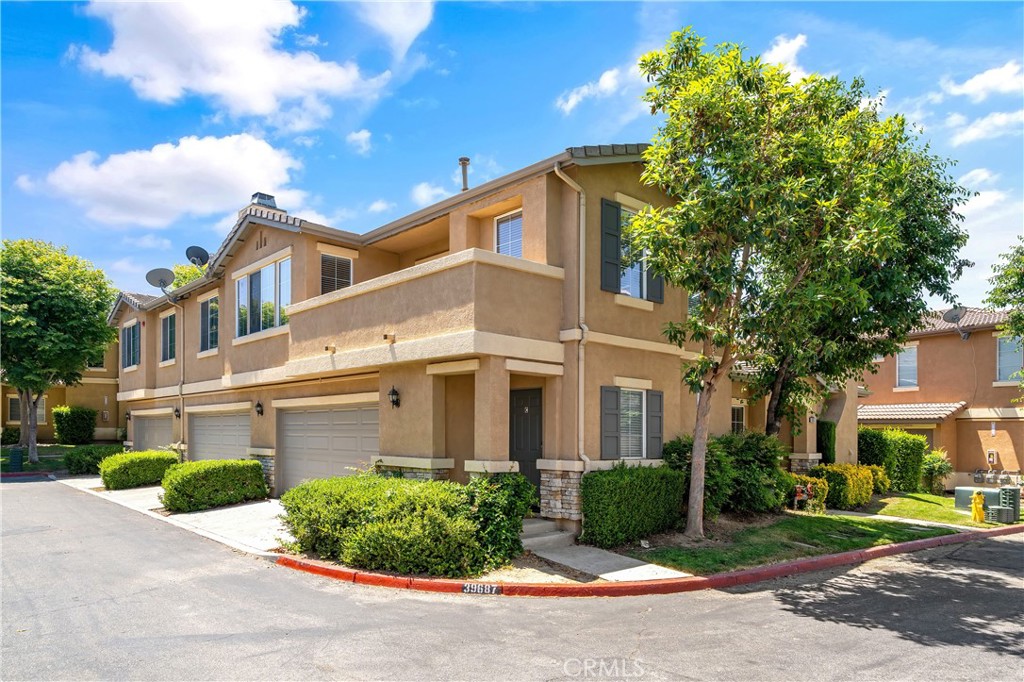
<point>23,435</point>
<point>33,425</point>
<point>773,414</point>
<point>695,510</point>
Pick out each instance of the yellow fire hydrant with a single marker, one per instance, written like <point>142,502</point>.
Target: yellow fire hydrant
<point>978,506</point>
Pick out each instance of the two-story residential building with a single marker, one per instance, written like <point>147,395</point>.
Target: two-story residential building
<point>497,330</point>
<point>955,384</point>
<point>96,390</point>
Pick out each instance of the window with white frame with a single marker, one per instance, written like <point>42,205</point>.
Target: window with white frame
<point>168,337</point>
<point>508,234</point>
<point>209,323</point>
<point>130,345</point>
<point>262,297</point>
<point>633,279</point>
<point>14,409</point>
<point>1009,357</point>
<point>906,367</point>
<point>335,273</point>
<point>739,418</point>
<point>631,423</point>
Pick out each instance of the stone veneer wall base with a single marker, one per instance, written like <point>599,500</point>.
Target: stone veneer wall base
<point>560,495</point>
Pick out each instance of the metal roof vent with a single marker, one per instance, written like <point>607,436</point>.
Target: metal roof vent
<point>264,200</point>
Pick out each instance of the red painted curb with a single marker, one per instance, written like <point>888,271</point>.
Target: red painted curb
<point>24,474</point>
<point>642,587</point>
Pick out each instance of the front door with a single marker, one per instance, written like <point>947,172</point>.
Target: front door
<point>525,431</point>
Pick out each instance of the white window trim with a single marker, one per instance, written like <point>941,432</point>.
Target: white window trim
<point>262,263</point>
<point>167,363</point>
<point>351,273</point>
<point>643,424</point>
<point>280,309</point>
<point>131,368</point>
<point>1004,384</point>
<point>120,357</point>
<point>495,230</point>
<point>632,203</point>
<point>40,422</point>
<point>260,335</point>
<point>339,251</point>
<point>633,302</point>
<point>164,315</point>
<point>897,387</point>
<point>738,406</point>
<point>633,383</point>
<point>207,353</point>
<point>212,293</point>
<point>998,381</point>
<point>211,351</point>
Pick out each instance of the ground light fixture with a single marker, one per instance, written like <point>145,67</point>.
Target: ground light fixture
<point>259,409</point>
<point>396,400</point>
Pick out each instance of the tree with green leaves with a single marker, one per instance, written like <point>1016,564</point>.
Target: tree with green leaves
<point>1008,292</point>
<point>53,310</point>
<point>787,195</point>
<point>185,273</point>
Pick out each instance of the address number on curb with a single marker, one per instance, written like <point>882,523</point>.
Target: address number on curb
<point>479,588</point>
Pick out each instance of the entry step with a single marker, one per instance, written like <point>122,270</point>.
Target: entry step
<point>544,534</point>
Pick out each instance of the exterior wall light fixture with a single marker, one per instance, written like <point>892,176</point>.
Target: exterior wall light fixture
<point>396,400</point>
<point>177,413</point>
<point>259,409</point>
<point>128,415</point>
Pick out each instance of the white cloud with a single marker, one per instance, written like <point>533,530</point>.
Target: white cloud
<point>305,141</point>
<point>994,220</point>
<point>955,120</point>
<point>229,52</point>
<point>360,141</point>
<point>979,177</point>
<point>1005,79</point>
<point>127,266</point>
<point>25,184</point>
<point>424,194</point>
<point>380,206</point>
<point>148,241</point>
<point>605,86</point>
<point>982,202</point>
<point>195,176</point>
<point>399,22</point>
<point>308,40</point>
<point>991,126</point>
<point>783,51</point>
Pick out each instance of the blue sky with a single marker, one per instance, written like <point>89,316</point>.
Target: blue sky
<point>131,131</point>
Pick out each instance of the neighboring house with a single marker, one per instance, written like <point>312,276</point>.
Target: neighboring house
<point>97,389</point>
<point>461,338</point>
<point>956,386</point>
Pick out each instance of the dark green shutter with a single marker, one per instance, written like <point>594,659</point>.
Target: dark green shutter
<point>204,326</point>
<point>655,287</point>
<point>611,246</point>
<point>609,422</point>
<point>655,423</point>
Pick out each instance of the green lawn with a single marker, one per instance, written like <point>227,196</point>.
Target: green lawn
<point>51,458</point>
<point>923,507</point>
<point>791,537</point>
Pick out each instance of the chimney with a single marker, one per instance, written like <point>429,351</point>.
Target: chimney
<point>464,162</point>
<point>263,200</point>
<point>263,204</point>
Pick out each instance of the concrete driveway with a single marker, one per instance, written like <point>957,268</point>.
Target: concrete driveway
<point>96,591</point>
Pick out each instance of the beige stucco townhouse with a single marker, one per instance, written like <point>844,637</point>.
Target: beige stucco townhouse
<point>493,331</point>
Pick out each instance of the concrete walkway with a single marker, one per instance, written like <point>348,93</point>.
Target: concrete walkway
<point>254,527</point>
<point>606,565</point>
<point>900,519</point>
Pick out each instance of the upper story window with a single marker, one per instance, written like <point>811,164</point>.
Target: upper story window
<point>262,296</point>
<point>1009,357</point>
<point>209,322</point>
<point>508,234</point>
<point>623,271</point>
<point>130,345</point>
<point>906,367</point>
<point>335,273</point>
<point>168,337</point>
<point>14,410</point>
<point>97,362</point>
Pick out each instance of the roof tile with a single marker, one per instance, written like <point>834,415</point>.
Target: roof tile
<point>908,412</point>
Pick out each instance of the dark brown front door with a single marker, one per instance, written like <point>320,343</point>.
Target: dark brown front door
<point>525,431</point>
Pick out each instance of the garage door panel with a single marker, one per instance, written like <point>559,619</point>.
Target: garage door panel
<point>325,443</point>
<point>219,436</point>
<point>152,433</point>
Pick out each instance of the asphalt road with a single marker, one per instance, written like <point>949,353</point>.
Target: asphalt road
<point>92,590</point>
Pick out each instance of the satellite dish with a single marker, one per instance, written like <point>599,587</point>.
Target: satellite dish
<point>197,255</point>
<point>954,315</point>
<point>160,278</point>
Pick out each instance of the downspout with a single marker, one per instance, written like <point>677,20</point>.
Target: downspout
<point>582,308</point>
<point>181,374</point>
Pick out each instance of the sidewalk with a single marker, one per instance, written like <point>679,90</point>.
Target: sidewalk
<point>900,519</point>
<point>254,527</point>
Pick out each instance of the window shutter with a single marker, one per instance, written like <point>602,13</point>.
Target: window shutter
<point>609,422</point>
<point>335,273</point>
<point>135,342</point>
<point>611,246</point>
<point>14,406</point>
<point>204,325</point>
<point>655,287</point>
<point>655,423</point>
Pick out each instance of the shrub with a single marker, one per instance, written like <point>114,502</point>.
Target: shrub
<point>849,485</point>
<point>873,448</point>
<point>934,469</point>
<point>192,486</point>
<point>133,469</point>
<point>499,504</point>
<point>908,457</point>
<point>10,435</point>
<point>880,483</point>
<point>827,441</point>
<point>73,425</point>
<point>719,473</point>
<point>623,504</point>
<point>817,489</point>
<point>760,484</point>
<point>396,524</point>
<point>86,459</point>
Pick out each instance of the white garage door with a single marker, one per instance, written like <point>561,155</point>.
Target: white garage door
<point>218,436</point>
<point>321,443</point>
<point>151,433</point>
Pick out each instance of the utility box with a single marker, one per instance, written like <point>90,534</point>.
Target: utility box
<point>962,497</point>
<point>1009,496</point>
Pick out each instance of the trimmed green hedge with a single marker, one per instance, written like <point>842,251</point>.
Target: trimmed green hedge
<point>817,493</point>
<point>86,459</point>
<point>10,435</point>
<point>134,469</point>
<point>426,527</point>
<point>719,472</point>
<point>761,484</point>
<point>827,441</point>
<point>624,503</point>
<point>908,454</point>
<point>849,485</point>
<point>193,486</point>
<point>73,425</point>
<point>880,483</point>
<point>872,448</point>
